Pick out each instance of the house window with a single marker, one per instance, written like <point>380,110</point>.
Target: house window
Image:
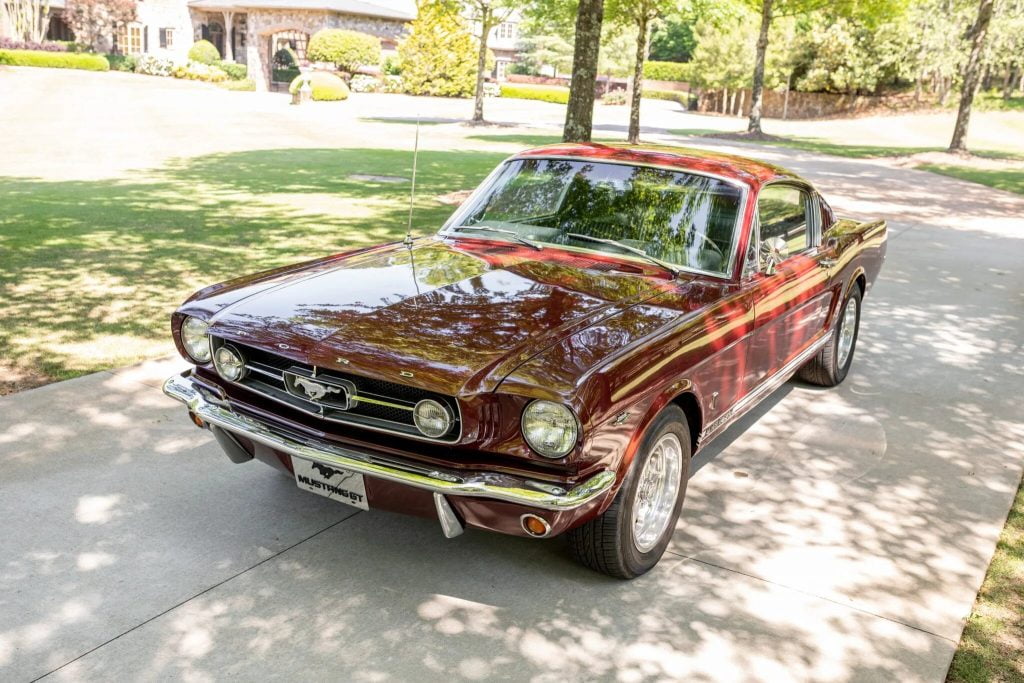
<point>506,29</point>
<point>129,39</point>
<point>167,38</point>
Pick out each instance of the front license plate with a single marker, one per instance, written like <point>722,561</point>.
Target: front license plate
<point>331,482</point>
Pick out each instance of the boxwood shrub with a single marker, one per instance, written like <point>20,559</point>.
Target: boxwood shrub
<point>535,92</point>
<point>204,52</point>
<point>236,72</point>
<point>55,60</point>
<point>326,87</point>
<point>121,62</point>
<point>668,71</point>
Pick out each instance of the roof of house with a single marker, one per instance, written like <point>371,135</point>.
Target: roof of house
<point>385,9</point>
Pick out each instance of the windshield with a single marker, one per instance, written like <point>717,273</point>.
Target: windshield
<point>680,218</point>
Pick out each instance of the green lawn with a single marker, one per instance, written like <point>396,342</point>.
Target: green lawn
<point>1010,179</point>
<point>992,645</point>
<point>93,269</point>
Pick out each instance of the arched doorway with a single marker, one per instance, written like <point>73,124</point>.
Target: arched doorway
<point>287,54</point>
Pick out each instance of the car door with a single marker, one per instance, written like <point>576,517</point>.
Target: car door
<point>790,276</point>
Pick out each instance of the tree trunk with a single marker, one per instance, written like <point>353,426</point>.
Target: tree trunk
<point>977,35</point>
<point>579,114</point>
<point>486,17</point>
<point>757,91</point>
<point>638,80</point>
<point>1011,82</point>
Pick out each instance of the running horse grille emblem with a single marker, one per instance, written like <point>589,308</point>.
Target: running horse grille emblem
<point>332,392</point>
<point>315,390</point>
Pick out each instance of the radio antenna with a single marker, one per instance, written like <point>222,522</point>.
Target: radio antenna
<point>412,190</point>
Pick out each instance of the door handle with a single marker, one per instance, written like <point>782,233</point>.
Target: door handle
<point>828,262</point>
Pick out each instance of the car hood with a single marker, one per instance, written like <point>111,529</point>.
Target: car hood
<point>452,316</point>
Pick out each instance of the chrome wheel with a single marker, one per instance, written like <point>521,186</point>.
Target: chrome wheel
<point>847,331</point>
<point>656,492</point>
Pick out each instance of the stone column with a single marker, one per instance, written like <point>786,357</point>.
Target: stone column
<point>229,36</point>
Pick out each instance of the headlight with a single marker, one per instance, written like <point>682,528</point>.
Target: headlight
<point>549,428</point>
<point>432,418</point>
<point>196,339</point>
<point>229,364</point>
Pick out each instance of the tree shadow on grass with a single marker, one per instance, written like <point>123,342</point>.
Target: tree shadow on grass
<point>92,269</point>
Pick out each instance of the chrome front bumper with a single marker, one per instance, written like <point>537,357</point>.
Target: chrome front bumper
<point>491,485</point>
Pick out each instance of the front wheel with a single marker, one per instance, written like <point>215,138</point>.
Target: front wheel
<point>831,365</point>
<point>632,534</point>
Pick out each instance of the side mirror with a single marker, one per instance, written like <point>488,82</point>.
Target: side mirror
<point>773,252</point>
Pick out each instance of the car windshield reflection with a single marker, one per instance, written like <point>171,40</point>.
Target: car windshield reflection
<point>680,219</point>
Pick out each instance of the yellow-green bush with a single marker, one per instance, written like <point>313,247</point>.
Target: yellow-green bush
<point>348,50</point>
<point>326,86</point>
<point>680,97</point>
<point>54,60</point>
<point>204,52</point>
<point>535,92</point>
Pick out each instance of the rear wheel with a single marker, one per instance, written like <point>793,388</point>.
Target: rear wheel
<point>632,534</point>
<point>831,365</point>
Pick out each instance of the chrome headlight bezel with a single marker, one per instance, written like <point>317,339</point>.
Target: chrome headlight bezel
<point>195,339</point>
<point>550,411</point>
<point>431,403</point>
<point>232,367</point>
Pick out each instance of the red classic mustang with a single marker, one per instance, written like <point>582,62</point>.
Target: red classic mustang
<point>548,362</point>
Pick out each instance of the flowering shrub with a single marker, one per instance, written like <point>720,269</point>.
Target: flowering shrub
<point>197,71</point>
<point>44,46</point>
<point>154,66</point>
<point>492,90</point>
<point>364,83</point>
<point>393,84</point>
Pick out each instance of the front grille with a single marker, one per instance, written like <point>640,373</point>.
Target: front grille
<point>266,375</point>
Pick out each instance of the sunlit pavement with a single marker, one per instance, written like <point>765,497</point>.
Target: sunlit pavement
<point>831,536</point>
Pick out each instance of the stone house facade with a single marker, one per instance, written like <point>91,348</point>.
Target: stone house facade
<point>251,31</point>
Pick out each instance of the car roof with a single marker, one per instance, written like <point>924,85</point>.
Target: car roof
<point>749,171</point>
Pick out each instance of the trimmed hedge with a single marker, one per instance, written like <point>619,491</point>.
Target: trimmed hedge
<point>680,97</point>
<point>121,62</point>
<point>535,92</point>
<point>246,85</point>
<point>204,52</point>
<point>54,60</point>
<point>285,75</point>
<point>326,87</point>
<point>668,71</point>
<point>236,72</point>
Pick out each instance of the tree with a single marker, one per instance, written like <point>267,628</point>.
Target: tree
<point>672,40</point>
<point>640,14</point>
<point>971,72</point>
<point>348,50</point>
<point>579,114</point>
<point>439,55</point>
<point>487,14</point>
<point>94,21</point>
<point>25,19</point>
<point>537,52</point>
<point>757,89</point>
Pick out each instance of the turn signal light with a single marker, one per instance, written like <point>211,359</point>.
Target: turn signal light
<point>197,421</point>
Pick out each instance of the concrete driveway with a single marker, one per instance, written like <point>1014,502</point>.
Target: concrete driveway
<point>832,535</point>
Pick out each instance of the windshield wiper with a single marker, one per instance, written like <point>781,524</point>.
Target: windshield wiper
<point>625,247</point>
<point>512,233</point>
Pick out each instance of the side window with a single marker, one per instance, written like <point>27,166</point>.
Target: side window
<point>783,212</point>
